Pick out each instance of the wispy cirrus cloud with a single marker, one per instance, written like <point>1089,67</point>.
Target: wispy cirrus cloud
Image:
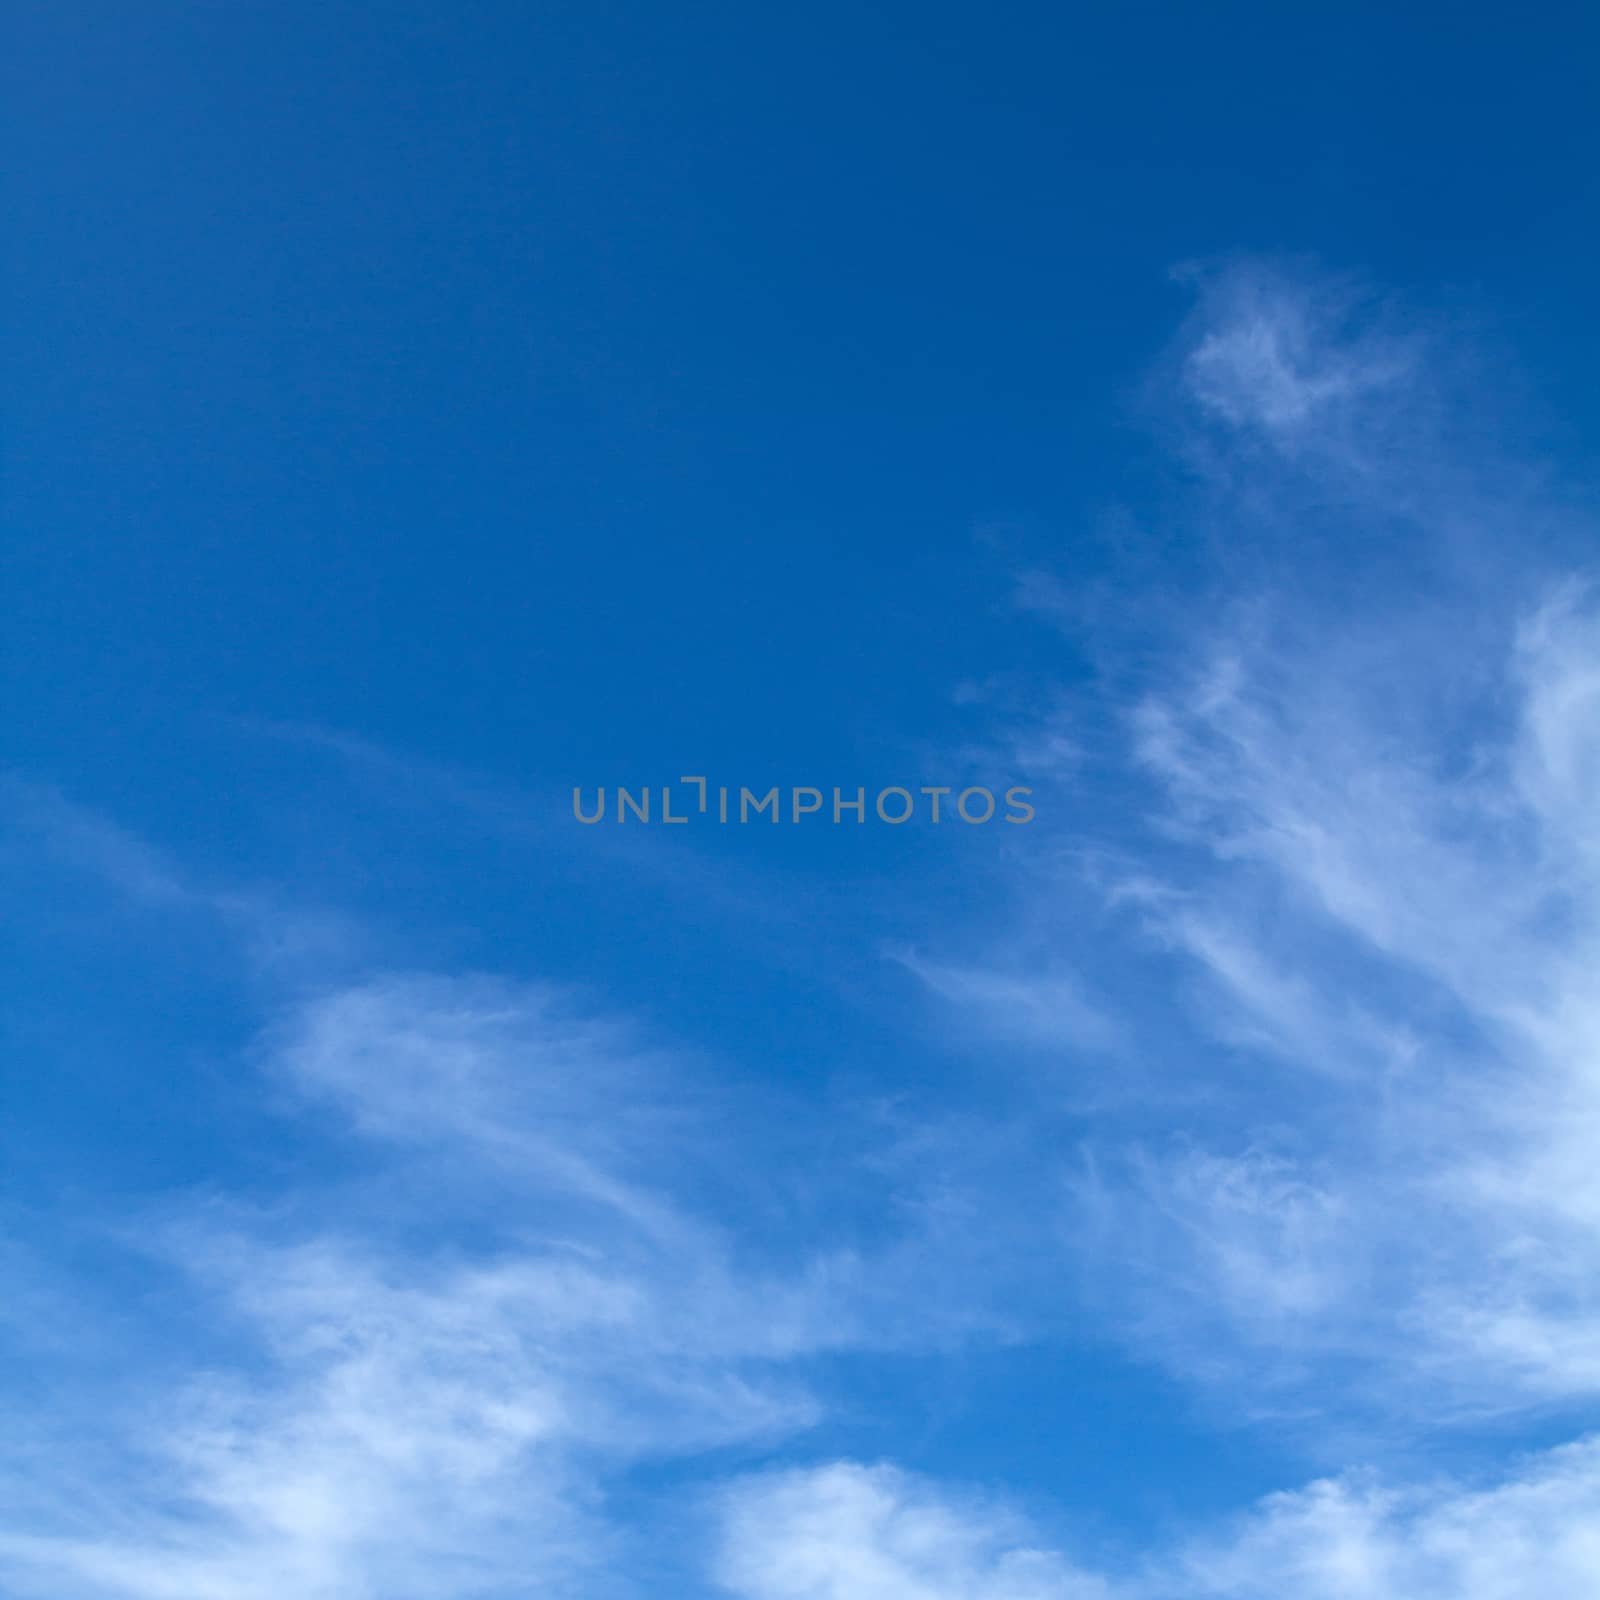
<point>1304,371</point>
<point>420,1369</point>
<point>1017,1004</point>
<point>1367,863</point>
<point>1353,872</point>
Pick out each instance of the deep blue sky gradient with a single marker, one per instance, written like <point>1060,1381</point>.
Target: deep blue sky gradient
<point>572,388</point>
<point>411,411</point>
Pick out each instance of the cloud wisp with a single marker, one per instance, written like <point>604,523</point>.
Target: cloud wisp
<point>426,1375</point>
<point>1368,864</point>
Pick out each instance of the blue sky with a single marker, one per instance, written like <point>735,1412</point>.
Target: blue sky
<point>413,413</point>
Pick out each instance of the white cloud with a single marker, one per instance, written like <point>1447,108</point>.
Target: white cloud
<point>429,1404</point>
<point>1364,856</point>
<point>1378,853</point>
<point>513,1074</point>
<point>1024,1007</point>
<point>1350,862</point>
<point>1270,357</point>
<point>1533,1536</point>
<point>1557,764</point>
<point>850,1532</point>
